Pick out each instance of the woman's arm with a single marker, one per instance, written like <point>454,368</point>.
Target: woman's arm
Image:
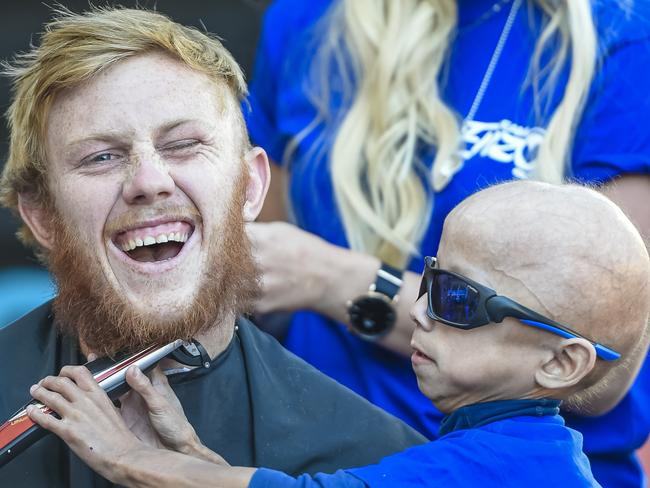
<point>631,193</point>
<point>303,271</point>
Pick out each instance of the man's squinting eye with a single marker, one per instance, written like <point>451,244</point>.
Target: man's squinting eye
<point>180,145</point>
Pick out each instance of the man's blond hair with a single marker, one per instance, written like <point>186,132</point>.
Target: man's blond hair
<point>76,47</point>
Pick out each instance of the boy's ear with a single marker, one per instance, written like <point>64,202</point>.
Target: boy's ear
<point>39,221</point>
<point>572,360</point>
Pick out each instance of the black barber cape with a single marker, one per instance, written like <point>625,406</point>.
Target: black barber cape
<point>257,405</point>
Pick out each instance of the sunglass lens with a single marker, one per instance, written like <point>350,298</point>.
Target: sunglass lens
<point>453,300</point>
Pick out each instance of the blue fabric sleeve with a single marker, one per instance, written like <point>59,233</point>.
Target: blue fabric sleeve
<point>612,138</point>
<point>268,478</point>
<point>261,112</point>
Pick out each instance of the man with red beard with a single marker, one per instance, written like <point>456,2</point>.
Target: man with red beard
<point>131,168</point>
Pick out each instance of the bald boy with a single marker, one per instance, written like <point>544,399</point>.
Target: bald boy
<point>539,295</point>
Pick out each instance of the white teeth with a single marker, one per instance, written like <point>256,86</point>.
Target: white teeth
<point>150,240</point>
<point>128,246</point>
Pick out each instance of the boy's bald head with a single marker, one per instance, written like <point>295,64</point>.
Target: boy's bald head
<point>565,251</point>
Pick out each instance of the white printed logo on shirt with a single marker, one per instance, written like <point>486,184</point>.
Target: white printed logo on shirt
<point>503,142</point>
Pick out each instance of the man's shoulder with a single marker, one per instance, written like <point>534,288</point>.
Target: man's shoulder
<point>27,334</point>
<point>27,347</point>
<point>271,361</point>
<point>314,414</point>
<point>274,363</point>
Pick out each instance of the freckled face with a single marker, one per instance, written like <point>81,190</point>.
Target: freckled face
<point>143,160</point>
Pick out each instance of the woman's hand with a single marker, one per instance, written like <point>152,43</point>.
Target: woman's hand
<point>303,271</point>
<point>294,266</point>
<point>90,425</point>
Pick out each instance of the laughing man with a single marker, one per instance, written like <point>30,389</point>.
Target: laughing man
<point>131,169</point>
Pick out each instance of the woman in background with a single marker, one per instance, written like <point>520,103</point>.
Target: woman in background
<point>383,115</point>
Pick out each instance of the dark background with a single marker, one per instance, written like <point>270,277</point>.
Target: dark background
<point>237,22</point>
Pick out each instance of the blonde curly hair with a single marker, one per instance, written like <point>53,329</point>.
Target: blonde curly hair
<point>389,72</point>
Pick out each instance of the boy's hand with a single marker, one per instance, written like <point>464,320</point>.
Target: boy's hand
<point>153,412</point>
<point>90,425</point>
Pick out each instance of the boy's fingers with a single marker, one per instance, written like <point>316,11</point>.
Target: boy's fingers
<point>50,398</point>
<point>141,384</point>
<point>81,376</point>
<point>62,385</point>
<point>45,420</point>
<point>158,377</point>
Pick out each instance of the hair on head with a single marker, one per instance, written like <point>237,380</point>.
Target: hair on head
<point>73,49</point>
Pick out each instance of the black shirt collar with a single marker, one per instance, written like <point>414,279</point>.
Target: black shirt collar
<point>479,414</point>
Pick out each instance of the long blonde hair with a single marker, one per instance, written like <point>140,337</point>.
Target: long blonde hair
<point>389,77</point>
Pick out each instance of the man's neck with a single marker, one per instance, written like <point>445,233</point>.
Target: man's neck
<point>214,339</point>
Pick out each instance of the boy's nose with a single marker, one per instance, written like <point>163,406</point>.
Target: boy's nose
<point>419,315</point>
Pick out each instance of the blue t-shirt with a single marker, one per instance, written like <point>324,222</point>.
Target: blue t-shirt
<point>611,139</point>
<point>532,450</point>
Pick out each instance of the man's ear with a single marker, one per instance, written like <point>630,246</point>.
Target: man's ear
<point>572,360</point>
<point>38,219</point>
<point>259,177</point>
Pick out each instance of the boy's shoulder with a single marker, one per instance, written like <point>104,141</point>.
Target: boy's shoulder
<point>509,452</point>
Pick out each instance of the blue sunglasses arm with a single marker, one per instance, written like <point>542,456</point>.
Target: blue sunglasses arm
<point>606,353</point>
<point>602,351</point>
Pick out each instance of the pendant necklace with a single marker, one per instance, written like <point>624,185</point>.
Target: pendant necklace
<point>478,98</point>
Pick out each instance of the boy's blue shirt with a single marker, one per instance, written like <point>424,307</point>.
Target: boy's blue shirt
<point>510,443</point>
<point>611,140</point>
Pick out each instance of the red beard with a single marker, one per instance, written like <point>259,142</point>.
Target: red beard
<point>89,308</point>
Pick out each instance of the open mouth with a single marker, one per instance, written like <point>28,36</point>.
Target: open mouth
<point>422,356</point>
<point>154,243</point>
<point>419,358</point>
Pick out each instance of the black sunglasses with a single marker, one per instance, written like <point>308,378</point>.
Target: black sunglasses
<point>459,302</point>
